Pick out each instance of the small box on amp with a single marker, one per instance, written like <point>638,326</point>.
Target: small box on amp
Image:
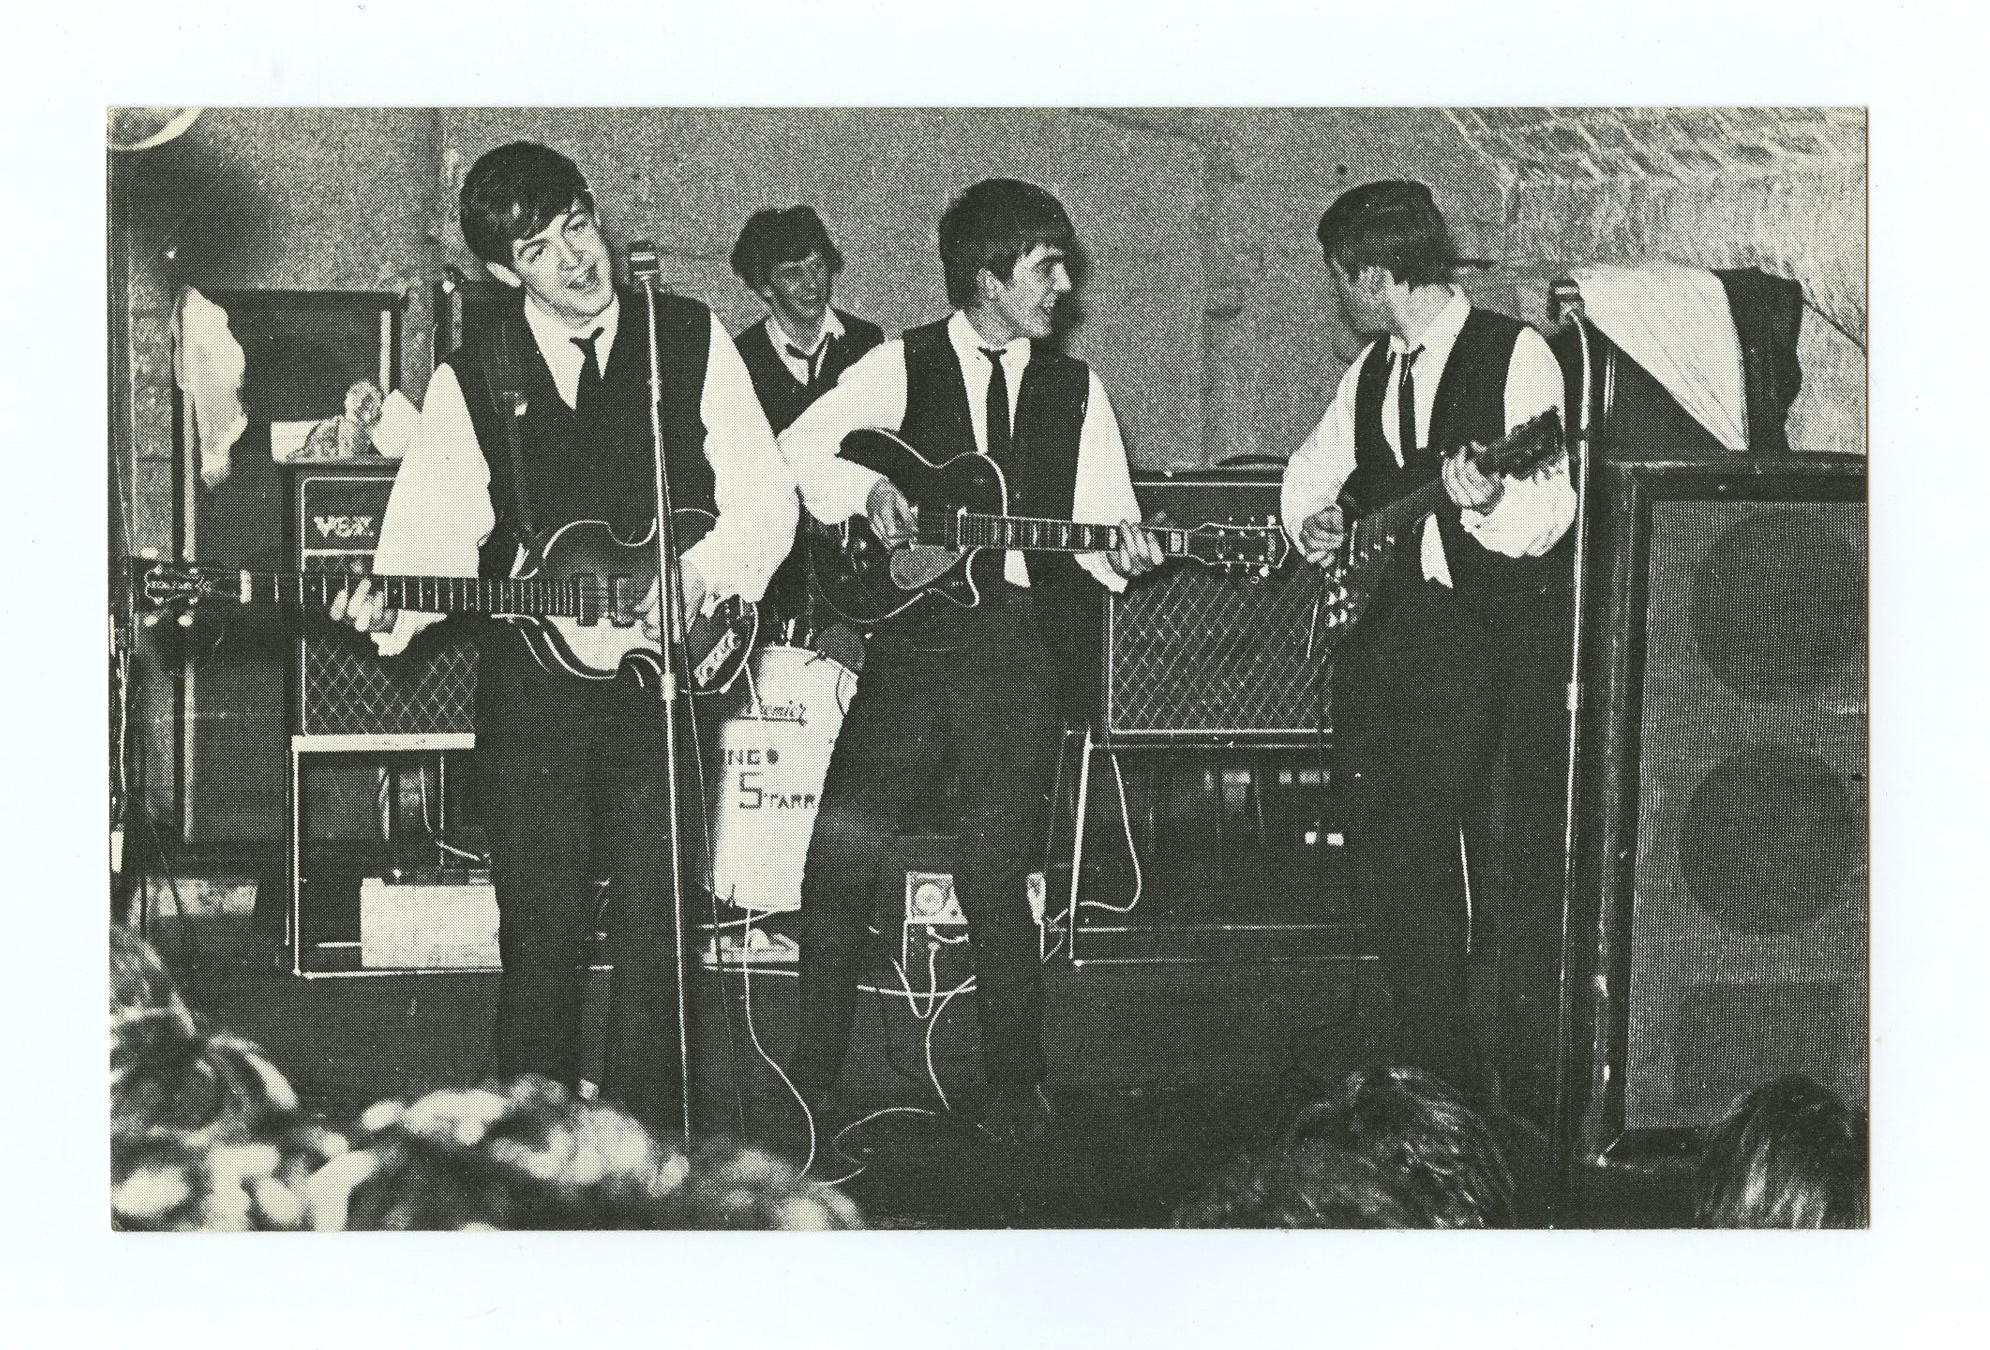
<point>933,912</point>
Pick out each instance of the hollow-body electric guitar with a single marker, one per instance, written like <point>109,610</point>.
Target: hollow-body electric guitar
<point>577,601</point>
<point>1354,573</point>
<point>962,508</point>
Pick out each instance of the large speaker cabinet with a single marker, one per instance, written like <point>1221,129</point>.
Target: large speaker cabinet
<point>1195,656</point>
<point>1720,924</point>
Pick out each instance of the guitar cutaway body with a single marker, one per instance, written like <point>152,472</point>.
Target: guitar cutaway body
<point>868,582</point>
<point>611,578</point>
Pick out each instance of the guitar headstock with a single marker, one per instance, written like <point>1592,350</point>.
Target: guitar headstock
<point>172,585</point>
<point>1249,548</point>
<point>1534,445</point>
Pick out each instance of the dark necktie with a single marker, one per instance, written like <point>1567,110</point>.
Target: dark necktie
<point>813,360</point>
<point>588,391</point>
<point>1406,441</point>
<point>998,407</point>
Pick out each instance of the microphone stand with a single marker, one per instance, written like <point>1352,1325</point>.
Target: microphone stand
<point>646,271</point>
<point>1565,306</point>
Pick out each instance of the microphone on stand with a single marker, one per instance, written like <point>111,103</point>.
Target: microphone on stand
<point>646,274</point>
<point>645,266</point>
<point>1566,306</point>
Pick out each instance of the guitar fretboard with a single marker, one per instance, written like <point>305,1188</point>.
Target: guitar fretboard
<point>429,595</point>
<point>969,530</point>
<point>1516,449</point>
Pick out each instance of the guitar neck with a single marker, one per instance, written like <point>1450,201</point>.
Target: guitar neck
<point>966,529</point>
<point>1503,456</point>
<point>1405,511</point>
<point>429,595</point>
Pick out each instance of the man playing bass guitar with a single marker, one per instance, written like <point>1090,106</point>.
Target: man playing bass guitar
<point>1446,698</point>
<point>570,769</point>
<point>981,690</point>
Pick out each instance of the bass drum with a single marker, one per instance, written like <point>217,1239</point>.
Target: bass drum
<point>774,757</point>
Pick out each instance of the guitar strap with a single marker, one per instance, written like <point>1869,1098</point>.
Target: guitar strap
<point>504,377</point>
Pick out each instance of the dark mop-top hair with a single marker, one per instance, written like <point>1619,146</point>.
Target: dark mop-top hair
<point>515,191</point>
<point>993,224</point>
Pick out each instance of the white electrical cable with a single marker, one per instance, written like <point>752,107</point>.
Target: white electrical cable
<point>1132,853</point>
<point>932,1025</point>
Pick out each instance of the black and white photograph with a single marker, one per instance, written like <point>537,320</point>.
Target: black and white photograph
<point>1059,677</point>
<point>1317,677</point>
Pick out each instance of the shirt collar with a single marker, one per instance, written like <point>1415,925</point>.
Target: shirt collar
<point>832,326</point>
<point>1442,332</point>
<point>553,335</point>
<point>969,346</point>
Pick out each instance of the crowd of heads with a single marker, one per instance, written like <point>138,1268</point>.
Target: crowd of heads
<point>1399,1148</point>
<point>208,1134</point>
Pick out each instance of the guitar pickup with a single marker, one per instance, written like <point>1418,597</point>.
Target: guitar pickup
<point>624,611</point>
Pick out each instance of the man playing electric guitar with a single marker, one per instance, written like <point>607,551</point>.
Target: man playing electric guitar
<point>570,769</point>
<point>1447,694</point>
<point>975,689</point>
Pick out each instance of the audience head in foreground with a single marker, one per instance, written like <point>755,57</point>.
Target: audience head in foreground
<point>1417,1128</point>
<point>1301,1185</point>
<point>1788,1154</point>
<point>528,1155</point>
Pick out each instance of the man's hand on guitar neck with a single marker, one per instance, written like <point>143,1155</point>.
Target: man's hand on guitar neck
<point>363,607</point>
<point>893,519</point>
<point>1139,551</point>
<point>1466,486</point>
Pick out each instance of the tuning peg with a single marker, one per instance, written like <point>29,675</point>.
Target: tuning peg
<point>149,553</point>
<point>150,619</point>
<point>185,618</point>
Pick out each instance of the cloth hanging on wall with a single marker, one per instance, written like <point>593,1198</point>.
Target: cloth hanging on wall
<point>208,366</point>
<point>1675,322</point>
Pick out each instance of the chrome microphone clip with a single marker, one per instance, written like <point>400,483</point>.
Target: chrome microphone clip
<point>645,265</point>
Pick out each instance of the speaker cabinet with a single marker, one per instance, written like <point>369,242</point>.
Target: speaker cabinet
<point>344,686</point>
<point>1721,933</point>
<point>1195,656</point>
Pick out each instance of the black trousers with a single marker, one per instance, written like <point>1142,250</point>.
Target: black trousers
<point>1449,725</point>
<point>988,707</point>
<point>572,788</point>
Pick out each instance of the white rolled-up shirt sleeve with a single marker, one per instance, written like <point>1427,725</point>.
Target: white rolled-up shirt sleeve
<point>439,513</point>
<point>1324,461</point>
<point>751,483</point>
<point>1103,493</point>
<point>870,393</point>
<point>1533,512</point>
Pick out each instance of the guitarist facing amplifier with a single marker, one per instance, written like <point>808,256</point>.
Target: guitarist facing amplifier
<point>570,770</point>
<point>974,688</point>
<point>1447,695</point>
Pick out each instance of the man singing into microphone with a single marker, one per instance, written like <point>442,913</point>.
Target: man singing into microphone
<point>571,771</point>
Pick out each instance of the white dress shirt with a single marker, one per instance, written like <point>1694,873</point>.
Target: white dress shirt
<point>1531,513</point>
<point>441,513</point>
<point>832,326</point>
<point>872,393</point>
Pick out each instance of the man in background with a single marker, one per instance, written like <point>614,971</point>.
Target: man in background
<point>787,259</point>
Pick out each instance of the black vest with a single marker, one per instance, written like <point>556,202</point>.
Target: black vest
<point>784,398</point>
<point>597,467</point>
<point>1041,470</point>
<point>1470,407</point>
